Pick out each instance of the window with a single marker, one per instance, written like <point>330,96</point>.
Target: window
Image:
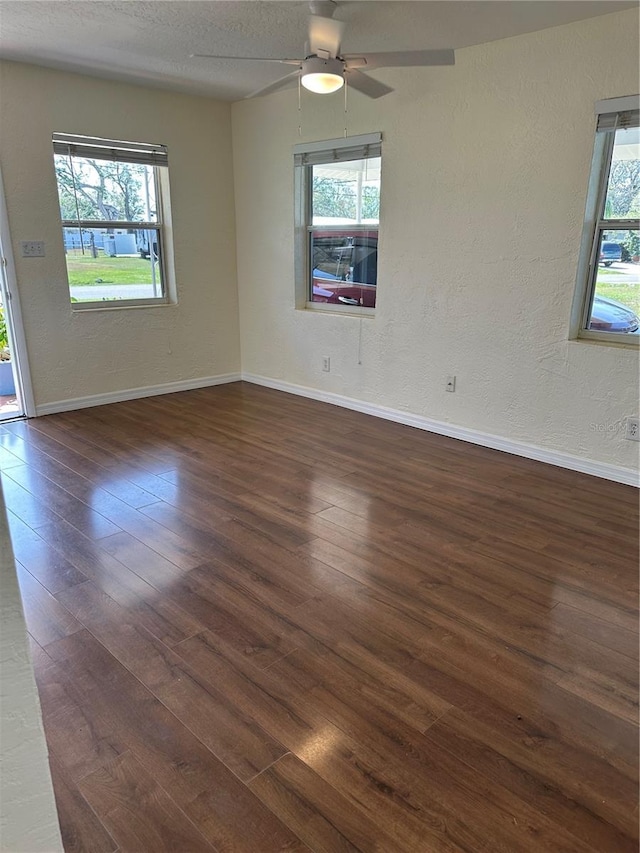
<point>607,304</point>
<point>337,218</point>
<point>112,201</point>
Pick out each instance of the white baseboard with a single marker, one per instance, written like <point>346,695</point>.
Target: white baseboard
<point>135,393</point>
<point>552,457</point>
<point>531,451</point>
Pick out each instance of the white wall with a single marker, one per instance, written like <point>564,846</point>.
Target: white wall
<point>77,354</point>
<point>28,819</point>
<point>485,169</point>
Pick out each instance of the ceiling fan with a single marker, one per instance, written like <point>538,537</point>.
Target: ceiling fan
<point>324,68</point>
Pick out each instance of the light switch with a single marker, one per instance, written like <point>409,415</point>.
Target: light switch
<point>32,249</point>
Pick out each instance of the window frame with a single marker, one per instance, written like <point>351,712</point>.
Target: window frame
<point>595,225</point>
<point>323,152</point>
<point>146,154</point>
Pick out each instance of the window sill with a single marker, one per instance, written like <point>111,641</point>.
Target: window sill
<point>628,342</point>
<point>343,310</point>
<point>81,307</point>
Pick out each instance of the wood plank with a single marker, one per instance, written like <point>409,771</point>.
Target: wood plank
<point>80,828</point>
<point>572,804</point>
<point>21,503</point>
<point>122,466</point>
<point>160,615</point>
<point>618,639</point>
<point>110,515</point>
<point>8,459</point>
<point>576,721</point>
<point>280,523</point>
<point>340,703</point>
<point>138,813</point>
<point>591,603</point>
<point>459,733</point>
<point>80,736</point>
<point>144,561</point>
<point>273,698</point>
<point>583,577</point>
<point>316,812</point>
<point>47,620</point>
<point>41,560</point>
<point>250,550</point>
<point>235,819</point>
<point>234,738</point>
<point>227,813</point>
<point>140,526</point>
<point>65,505</point>
<point>286,697</point>
<point>63,464</point>
<point>233,617</point>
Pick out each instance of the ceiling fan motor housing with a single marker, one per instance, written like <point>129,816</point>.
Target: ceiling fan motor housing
<point>324,8</point>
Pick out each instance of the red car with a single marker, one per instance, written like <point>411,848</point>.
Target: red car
<point>345,267</point>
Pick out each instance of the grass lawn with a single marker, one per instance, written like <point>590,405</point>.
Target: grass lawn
<point>83,269</point>
<point>611,285</point>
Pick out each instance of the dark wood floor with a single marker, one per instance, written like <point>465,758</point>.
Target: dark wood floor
<point>262,623</point>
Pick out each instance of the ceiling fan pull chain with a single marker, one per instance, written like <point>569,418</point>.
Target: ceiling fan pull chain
<point>346,86</point>
<point>299,105</point>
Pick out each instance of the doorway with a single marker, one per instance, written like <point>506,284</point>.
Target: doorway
<point>10,402</point>
<point>16,396</point>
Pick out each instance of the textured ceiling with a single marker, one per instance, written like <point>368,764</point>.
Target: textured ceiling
<point>150,42</point>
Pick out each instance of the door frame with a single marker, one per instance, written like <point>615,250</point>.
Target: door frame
<point>14,314</point>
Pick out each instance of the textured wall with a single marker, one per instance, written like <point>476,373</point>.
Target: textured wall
<point>485,169</point>
<point>78,354</point>
<point>28,819</point>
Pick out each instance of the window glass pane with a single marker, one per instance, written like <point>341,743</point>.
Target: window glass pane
<point>616,301</point>
<point>345,267</point>
<point>104,190</point>
<point>623,189</point>
<point>346,192</point>
<point>104,265</point>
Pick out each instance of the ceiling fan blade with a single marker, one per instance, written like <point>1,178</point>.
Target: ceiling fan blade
<point>245,58</point>
<point>365,84</point>
<point>325,34</point>
<point>401,59</point>
<point>353,61</point>
<point>282,83</point>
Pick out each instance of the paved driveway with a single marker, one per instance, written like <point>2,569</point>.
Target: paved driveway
<point>108,291</point>
<point>625,273</point>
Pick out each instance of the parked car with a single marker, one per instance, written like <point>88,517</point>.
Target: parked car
<point>345,267</point>
<point>610,316</point>
<point>328,288</point>
<point>610,252</point>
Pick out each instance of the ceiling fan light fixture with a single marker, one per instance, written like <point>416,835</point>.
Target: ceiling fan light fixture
<point>322,76</point>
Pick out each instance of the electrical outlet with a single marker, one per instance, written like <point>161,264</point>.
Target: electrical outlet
<point>326,364</point>
<point>451,384</point>
<point>633,429</point>
<point>32,249</point>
